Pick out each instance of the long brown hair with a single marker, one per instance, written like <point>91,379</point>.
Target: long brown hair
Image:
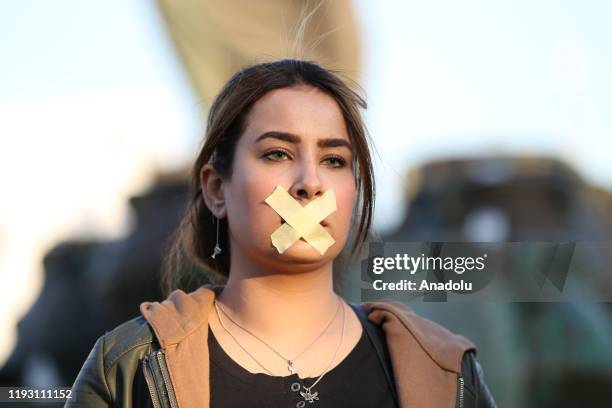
<point>188,263</point>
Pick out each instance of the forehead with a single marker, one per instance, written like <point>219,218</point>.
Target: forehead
<point>303,110</point>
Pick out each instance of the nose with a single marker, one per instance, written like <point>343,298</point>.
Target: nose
<point>308,184</point>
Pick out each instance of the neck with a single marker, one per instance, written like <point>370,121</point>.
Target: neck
<point>274,304</point>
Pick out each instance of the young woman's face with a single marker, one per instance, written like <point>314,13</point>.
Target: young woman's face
<point>294,137</point>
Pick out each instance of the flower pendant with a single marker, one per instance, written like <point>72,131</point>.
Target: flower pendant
<point>308,396</point>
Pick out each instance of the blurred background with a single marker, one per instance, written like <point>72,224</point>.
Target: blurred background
<point>490,122</point>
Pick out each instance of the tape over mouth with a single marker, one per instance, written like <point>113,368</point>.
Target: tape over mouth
<point>323,223</point>
<point>301,223</point>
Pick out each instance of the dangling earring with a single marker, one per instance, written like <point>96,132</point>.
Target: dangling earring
<point>217,249</point>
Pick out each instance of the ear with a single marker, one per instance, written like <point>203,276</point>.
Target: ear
<point>212,191</point>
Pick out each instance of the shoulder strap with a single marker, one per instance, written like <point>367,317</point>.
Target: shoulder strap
<point>377,337</point>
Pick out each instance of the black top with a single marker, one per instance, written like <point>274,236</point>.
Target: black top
<point>358,381</point>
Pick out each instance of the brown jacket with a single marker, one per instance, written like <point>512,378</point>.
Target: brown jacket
<point>426,358</point>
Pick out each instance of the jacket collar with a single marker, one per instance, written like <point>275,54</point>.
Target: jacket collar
<point>426,358</point>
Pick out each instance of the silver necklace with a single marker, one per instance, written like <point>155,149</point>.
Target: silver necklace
<point>290,361</point>
<point>308,395</point>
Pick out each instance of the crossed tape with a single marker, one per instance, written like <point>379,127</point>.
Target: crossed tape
<point>301,222</point>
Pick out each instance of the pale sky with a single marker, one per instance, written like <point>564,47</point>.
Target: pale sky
<point>93,99</point>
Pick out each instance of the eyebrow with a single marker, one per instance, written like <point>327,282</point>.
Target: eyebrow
<point>295,139</point>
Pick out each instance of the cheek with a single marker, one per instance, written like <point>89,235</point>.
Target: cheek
<point>345,197</point>
<point>247,192</point>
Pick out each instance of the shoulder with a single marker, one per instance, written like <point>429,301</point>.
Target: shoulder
<point>427,332</point>
<point>131,336</point>
<point>402,327</point>
<point>112,365</point>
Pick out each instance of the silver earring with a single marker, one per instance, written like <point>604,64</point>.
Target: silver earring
<point>217,249</point>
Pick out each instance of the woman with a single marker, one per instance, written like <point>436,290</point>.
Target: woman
<point>284,170</point>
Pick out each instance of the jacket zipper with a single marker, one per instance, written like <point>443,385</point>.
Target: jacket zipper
<point>461,387</point>
<point>158,380</point>
<point>161,358</point>
<point>150,383</point>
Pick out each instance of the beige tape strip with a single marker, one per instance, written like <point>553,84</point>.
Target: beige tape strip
<point>301,221</point>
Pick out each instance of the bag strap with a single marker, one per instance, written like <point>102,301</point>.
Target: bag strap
<point>377,336</point>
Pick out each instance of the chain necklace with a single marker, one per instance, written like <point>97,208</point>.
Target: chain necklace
<point>290,361</point>
<point>308,395</point>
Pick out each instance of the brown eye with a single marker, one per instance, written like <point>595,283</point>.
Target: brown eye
<point>335,161</point>
<point>276,155</point>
